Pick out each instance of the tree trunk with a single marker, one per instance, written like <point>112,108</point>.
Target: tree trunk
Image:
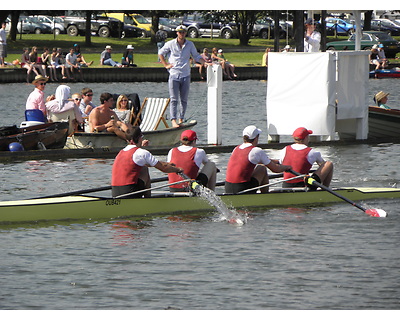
<point>88,32</point>
<point>367,20</point>
<point>298,28</point>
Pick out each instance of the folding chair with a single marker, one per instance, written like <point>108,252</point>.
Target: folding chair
<point>152,112</point>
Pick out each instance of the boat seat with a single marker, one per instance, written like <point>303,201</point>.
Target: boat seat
<point>34,115</point>
<point>152,113</point>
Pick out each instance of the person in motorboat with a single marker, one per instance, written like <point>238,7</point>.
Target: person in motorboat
<point>381,99</point>
<point>122,109</point>
<point>86,105</point>
<point>248,163</point>
<point>103,119</point>
<point>36,97</point>
<point>63,108</point>
<point>130,171</point>
<point>301,158</point>
<point>191,159</point>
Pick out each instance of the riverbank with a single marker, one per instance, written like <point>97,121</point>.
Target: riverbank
<point>138,74</point>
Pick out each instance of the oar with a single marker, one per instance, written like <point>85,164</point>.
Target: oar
<point>269,184</point>
<point>79,192</point>
<point>372,212</point>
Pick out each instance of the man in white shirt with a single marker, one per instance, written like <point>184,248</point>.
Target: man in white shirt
<point>3,44</point>
<point>72,65</point>
<point>312,38</point>
<point>179,51</point>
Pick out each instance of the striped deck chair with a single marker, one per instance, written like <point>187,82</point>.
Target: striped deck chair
<point>153,112</point>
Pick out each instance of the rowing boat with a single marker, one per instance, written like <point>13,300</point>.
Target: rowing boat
<point>89,208</point>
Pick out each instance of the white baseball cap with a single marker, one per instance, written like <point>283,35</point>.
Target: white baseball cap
<point>251,131</point>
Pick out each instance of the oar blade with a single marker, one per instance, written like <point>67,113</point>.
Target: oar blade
<point>379,213</point>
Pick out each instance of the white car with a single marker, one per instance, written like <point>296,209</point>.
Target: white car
<point>55,23</point>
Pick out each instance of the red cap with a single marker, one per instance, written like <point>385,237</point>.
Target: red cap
<point>188,135</point>
<point>301,133</point>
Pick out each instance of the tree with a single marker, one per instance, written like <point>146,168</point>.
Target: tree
<point>245,20</point>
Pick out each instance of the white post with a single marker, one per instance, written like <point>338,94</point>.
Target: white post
<point>214,103</point>
<point>357,16</point>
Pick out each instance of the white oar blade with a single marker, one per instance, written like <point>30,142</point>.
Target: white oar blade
<point>380,213</point>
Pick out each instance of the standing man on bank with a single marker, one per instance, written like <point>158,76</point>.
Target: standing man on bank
<point>161,36</point>
<point>179,50</point>
<point>3,44</point>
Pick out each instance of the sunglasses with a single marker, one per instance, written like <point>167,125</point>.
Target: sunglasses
<point>124,100</point>
<point>89,95</point>
<point>42,84</point>
<point>77,99</point>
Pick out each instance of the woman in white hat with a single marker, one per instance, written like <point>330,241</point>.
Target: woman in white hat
<point>128,58</point>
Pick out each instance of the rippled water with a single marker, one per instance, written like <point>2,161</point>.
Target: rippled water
<point>330,257</point>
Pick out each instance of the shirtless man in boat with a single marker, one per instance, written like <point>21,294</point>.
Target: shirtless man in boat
<point>130,171</point>
<point>301,157</point>
<point>103,119</point>
<point>247,166</point>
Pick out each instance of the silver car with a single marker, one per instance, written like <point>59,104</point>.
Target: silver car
<point>26,25</point>
<point>55,23</point>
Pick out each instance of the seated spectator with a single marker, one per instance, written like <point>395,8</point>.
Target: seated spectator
<point>72,65</point>
<point>374,57</point>
<point>103,119</point>
<point>128,58</point>
<point>207,62</point>
<point>37,61</point>
<point>62,108</point>
<point>86,105</point>
<point>79,57</point>
<point>229,68</point>
<point>122,110</point>
<point>382,56</point>
<point>27,64</point>
<point>56,61</point>
<point>106,59</point>
<point>46,59</point>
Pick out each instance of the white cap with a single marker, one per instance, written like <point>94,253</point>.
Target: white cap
<point>251,131</point>
<point>220,50</point>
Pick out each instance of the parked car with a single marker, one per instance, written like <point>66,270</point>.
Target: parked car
<point>369,38</point>
<point>198,27</point>
<point>385,25</point>
<point>265,28</point>
<point>132,32</point>
<point>339,26</point>
<point>55,23</point>
<point>135,20</point>
<point>102,26</point>
<point>26,25</point>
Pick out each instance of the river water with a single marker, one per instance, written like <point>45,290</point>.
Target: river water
<point>330,257</point>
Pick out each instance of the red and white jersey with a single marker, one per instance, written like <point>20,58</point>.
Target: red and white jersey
<point>128,163</point>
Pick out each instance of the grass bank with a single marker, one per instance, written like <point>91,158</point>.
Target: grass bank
<point>145,52</point>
